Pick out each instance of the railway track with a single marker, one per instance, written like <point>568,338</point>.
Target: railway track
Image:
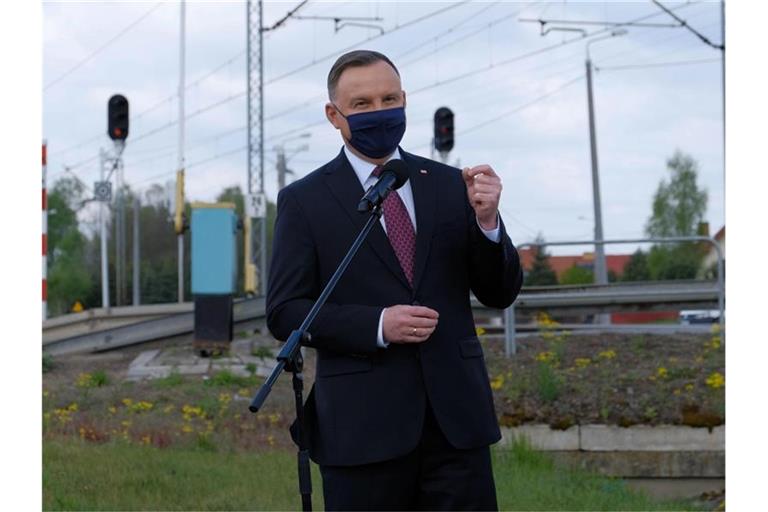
<point>99,330</point>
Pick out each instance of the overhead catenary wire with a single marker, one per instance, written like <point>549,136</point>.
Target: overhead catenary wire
<point>101,48</point>
<point>685,24</point>
<point>465,75</point>
<point>158,103</point>
<point>656,64</point>
<point>314,124</point>
<point>357,44</point>
<point>280,77</point>
<point>529,54</point>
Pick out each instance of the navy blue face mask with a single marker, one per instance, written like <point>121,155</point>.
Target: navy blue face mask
<point>376,134</point>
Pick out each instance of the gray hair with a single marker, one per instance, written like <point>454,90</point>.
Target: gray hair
<point>355,58</point>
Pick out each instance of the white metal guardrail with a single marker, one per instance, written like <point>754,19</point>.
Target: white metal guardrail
<point>608,297</point>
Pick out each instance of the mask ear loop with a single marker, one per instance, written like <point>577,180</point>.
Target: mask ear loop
<point>338,110</point>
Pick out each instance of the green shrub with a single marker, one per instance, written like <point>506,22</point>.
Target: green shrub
<point>47,363</point>
<point>548,382</point>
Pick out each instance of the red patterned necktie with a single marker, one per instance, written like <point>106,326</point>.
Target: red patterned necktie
<point>400,230</point>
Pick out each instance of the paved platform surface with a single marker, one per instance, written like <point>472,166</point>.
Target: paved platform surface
<point>161,362</point>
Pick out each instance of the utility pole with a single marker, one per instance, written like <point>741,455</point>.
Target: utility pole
<point>601,275</point>
<point>282,168</point>
<point>601,272</point>
<point>120,245</point>
<point>136,263</point>
<point>256,201</point>
<point>282,159</point>
<point>103,222</point>
<point>180,172</point>
<point>722,44</point>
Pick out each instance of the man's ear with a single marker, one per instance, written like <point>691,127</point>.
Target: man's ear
<point>330,114</point>
<point>404,102</point>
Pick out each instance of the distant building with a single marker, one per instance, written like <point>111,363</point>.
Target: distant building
<point>560,264</point>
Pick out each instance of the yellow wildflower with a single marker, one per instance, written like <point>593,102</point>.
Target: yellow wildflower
<point>83,380</point>
<point>189,411</point>
<point>716,380</point>
<point>142,406</point>
<point>479,331</point>
<point>245,392</point>
<point>689,387</point>
<point>186,428</point>
<point>112,409</point>
<point>147,439</point>
<point>127,402</point>
<point>661,372</point>
<point>168,408</point>
<point>582,362</point>
<point>497,382</point>
<point>607,354</point>
<point>545,357</point>
<point>72,407</point>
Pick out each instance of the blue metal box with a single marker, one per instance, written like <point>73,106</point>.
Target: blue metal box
<point>214,246</point>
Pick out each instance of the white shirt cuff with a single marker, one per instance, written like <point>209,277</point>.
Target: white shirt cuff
<point>380,336</point>
<point>491,234</point>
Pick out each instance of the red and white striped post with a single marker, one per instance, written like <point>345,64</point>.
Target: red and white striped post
<point>45,234</point>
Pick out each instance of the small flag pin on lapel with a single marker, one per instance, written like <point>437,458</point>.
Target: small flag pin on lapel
<point>423,171</point>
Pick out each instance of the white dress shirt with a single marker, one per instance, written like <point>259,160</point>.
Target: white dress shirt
<point>364,172</point>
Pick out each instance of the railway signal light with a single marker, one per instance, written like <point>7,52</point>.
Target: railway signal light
<point>443,130</point>
<point>117,117</point>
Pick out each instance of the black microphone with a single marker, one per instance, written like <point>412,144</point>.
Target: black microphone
<point>392,177</point>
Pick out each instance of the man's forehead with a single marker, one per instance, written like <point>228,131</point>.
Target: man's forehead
<point>372,80</point>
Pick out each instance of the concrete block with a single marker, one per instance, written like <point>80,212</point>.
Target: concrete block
<point>192,369</point>
<point>640,464</point>
<point>148,372</point>
<point>651,438</point>
<point>144,358</point>
<point>542,437</point>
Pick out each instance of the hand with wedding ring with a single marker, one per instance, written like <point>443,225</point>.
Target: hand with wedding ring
<point>408,324</point>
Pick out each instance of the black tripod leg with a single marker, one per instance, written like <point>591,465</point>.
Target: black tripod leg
<point>305,477</point>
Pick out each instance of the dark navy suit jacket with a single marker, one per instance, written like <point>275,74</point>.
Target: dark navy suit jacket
<point>368,403</point>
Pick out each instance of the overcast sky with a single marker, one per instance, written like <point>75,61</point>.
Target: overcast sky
<point>519,97</point>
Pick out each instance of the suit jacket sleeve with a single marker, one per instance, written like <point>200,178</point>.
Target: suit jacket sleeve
<point>495,272</point>
<point>294,285</point>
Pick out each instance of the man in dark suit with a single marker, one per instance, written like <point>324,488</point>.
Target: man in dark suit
<point>401,414</point>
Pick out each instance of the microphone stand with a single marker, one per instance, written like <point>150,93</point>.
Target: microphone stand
<point>291,360</point>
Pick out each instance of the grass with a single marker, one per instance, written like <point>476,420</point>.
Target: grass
<point>120,476</point>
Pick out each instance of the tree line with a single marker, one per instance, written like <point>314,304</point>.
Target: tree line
<point>74,268</point>
<point>74,255</point>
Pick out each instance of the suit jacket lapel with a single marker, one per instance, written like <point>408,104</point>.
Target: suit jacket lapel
<point>424,187</point>
<point>344,185</point>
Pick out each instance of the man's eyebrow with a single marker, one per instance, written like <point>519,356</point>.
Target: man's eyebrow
<point>367,98</point>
